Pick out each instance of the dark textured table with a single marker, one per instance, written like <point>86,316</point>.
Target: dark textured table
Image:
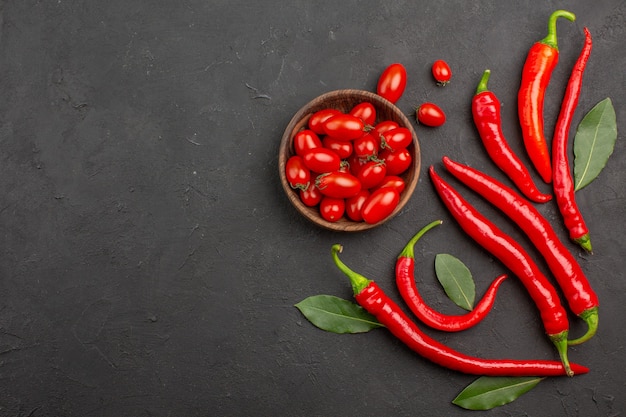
<point>151,262</point>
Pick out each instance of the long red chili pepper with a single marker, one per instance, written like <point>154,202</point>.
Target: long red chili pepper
<point>486,112</point>
<point>405,280</point>
<point>540,62</point>
<point>581,298</point>
<point>373,299</point>
<point>514,257</point>
<point>563,184</point>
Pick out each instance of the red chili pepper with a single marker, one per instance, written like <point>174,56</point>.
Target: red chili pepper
<point>486,112</point>
<point>540,62</point>
<point>514,257</point>
<point>373,299</point>
<point>405,280</point>
<point>563,184</point>
<point>582,300</point>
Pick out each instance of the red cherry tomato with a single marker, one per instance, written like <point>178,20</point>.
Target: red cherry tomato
<point>338,184</point>
<point>354,205</point>
<point>317,119</point>
<point>372,174</point>
<point>441,71</point>
<point>397,161</point>
<point>311,196</point>
<point>343,148</point>
<point>305,140</point>
<point>380,204</point>
<point>355,163</point>
<point>430,114</point>
<point>366,146</point>
<point>321,160</point>
<point>366,112</point>
<point>392,82</point>
<point>332,209</point>
<point>298,175</point>
<point>392,181</point>
<point>384,126</point>
<point>397,138</point>
<point>344,126</point>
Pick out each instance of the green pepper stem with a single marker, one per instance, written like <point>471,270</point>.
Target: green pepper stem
<point>585,242</point>
<point>591,318</point>
<point>358,281</point>
<point>408,251</point>
<point>551,38</point>
<point>482,85</point>
<point>560,341</point>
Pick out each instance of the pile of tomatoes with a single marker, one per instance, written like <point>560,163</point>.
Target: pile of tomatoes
<point>348,165</point>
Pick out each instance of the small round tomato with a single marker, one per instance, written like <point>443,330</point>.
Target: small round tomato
<point>366,146</point>
<point>397,161</point>
<point>305,140</point>
<point>310,196</point>
<point>344,126</point>
<point>397,138</point>
<point>430,114</point>
<point>354,205</point>
<point>321,160</point>
<point>298,175</point>
<point>372,173</point>
<point>384,126</point>
<point>343,148</point>
<point>380,204</point>
<point>366,112</point>
<point>332,209</point>
<point>338,184</point>
<point>441,71</point>
<point>319,117</point>
<point>392,181</point>
<point>392,82</point>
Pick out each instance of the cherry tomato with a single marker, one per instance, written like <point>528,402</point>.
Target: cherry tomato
<point>354,205</point>
<point>332,209</point>
<point>366,112</point>
<point>298,175</point>
<point>366,146</point>
<point>338,184</point>
<point>392,82</point>
<point>311,196</point>
<point>355,163</point>
<point>372,173</point>
<point>380,204</point>
<point>392,181</point>
<point>397,161</point>
<point>430,114</point>
<point>397,138</point>
<point>317,119</point>
<point>384,126</point>
<point>441,71</point>
<point>305,140</point>
<point>321,160</point>
<point>344,126</point>
<point>343,148</point>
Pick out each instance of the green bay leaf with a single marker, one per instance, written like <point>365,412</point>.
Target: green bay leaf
<point>486,392</point>
<point>337,315</point>
<point>456,280</point>
<point>594,142</point>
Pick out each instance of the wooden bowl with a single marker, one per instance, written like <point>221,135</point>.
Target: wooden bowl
<point>345,100</point>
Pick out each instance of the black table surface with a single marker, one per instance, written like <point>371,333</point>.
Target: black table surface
<point>151,261</point>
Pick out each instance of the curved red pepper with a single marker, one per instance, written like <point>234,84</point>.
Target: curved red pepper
<point>582,300</point>
<point>405,280</point>
<point>540,63</point>
<point>514,257</point>
<point>486,113</point>
<point>563,184</point>
<point>373,299</point>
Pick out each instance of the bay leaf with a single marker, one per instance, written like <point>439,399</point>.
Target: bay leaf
<point>337,315</point>
<point>487,392</point>
<point>594,142</point>
<point>456,280</point>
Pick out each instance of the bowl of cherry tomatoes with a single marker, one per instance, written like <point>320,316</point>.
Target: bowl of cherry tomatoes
<point>349,160</point>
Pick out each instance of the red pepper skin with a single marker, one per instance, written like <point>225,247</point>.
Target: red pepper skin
<point>373,299</point>
<point>487,118</point>
<point>542,58</point>
<point>563,185</point>
<point>514,257</point>
<point>405,281</point>
<point>581,298</point>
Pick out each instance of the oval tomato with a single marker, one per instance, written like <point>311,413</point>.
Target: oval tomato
<point>384,126</point>
<point>392,82</point>
<point>344,126</point>
<point>430,114</point>
<point>332,209</point>
<point>321,160</point>
<point>380,204</point>
<point>397,161</point>
<point>392,181</point>
<point>372,173</point>
<point>310,196</point>
<point>366,146</point>
<point>298,175</point>
<point>355,163</point>
<point>338,184</point>
<point>354,205</point>
<point>319,117</point>
<point>305,140</point>
<point>397,138</point>
<point>366,112</point>
<point>441,71</point>
<point>343,148</point>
